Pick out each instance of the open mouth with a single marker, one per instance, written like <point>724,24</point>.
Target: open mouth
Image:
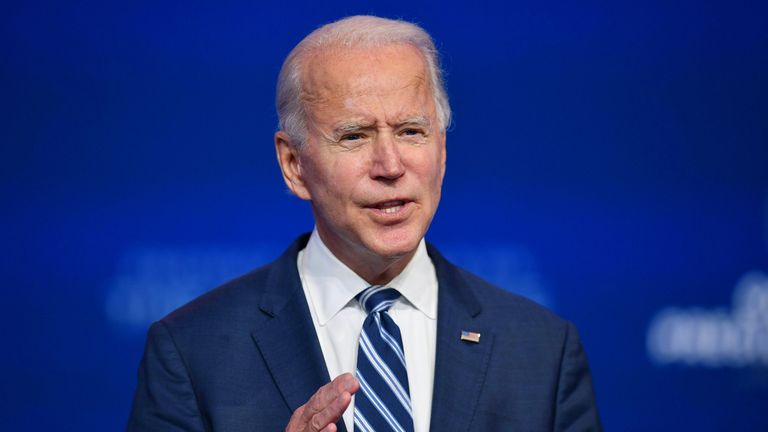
<point>390,207</point>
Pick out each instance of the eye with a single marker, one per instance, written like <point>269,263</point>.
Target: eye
<point>412,132</point>
<point>352,137</point>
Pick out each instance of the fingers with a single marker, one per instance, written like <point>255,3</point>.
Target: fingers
<point>327,398</point>
<point>332,413</point>
<point>325,407</point>
<point>328,393</point>
<point>294,424</point>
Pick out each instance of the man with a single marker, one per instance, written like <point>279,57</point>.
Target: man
<point>412,342</point>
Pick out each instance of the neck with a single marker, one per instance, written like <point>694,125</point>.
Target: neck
<point>374,269</point>
<point>382,273</point>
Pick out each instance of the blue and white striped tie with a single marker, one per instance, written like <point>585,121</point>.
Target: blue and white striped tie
<point>383,402</point>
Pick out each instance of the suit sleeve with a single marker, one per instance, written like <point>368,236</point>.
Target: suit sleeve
<point>164,399</point>
<point>576,409</point>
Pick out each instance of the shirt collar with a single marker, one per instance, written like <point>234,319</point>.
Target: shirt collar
<point>332,285</point>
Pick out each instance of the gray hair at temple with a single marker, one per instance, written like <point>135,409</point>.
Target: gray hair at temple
<point>359,32</point>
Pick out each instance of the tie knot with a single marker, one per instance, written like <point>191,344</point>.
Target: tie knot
<point>377,298</point>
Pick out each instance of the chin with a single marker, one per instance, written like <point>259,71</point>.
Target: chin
<point>395,244</point>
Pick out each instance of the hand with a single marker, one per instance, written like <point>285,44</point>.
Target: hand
<point>325,407</point>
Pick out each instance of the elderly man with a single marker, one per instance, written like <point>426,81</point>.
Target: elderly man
<point>412,342</point>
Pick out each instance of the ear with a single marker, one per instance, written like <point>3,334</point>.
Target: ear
<point>290,165</point>
<point>444,154</point>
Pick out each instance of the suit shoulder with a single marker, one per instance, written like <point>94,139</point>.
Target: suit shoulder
<point>230,301</point>
<point>500,302</point>
<point>246,300</point>
<point>496,303</point>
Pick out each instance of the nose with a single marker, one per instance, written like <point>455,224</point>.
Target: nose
<point>387,160</point>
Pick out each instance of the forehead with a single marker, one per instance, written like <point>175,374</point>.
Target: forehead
<point>334,75</point>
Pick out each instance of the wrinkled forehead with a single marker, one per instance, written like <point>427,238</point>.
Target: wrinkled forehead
<point>333,74</point>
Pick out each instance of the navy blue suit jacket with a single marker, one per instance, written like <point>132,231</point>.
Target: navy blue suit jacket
<point>244,356</point>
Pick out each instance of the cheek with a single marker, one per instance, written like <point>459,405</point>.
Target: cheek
<point>334,184</point>
<point>348,174</point>
<point>430,167</point>
<point>317,177</point>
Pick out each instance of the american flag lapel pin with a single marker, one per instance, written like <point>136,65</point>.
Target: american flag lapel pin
<point>470,336</point>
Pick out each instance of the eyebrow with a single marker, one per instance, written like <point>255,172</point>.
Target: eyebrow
<point>351,126</point>
<point>418,120</point>
<point>357,125</point>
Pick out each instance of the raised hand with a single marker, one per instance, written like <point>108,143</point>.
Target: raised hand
<point>325,407</point>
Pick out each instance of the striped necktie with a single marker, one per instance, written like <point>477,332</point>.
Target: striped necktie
<point>383,402</point>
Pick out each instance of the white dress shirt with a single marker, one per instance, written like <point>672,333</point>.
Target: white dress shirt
<point>330,288</point>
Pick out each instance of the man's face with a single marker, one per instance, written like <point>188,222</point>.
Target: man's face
<point>374,157</point>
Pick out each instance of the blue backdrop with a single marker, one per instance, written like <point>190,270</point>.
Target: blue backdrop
<point>609,160</point>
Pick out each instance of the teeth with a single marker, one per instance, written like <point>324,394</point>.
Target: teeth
<point>390,210</point>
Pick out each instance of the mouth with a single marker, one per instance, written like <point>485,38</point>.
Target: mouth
<point>392,208</point>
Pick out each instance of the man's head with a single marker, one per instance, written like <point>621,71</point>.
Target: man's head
<point>359,32</point>
<point>362,136</point>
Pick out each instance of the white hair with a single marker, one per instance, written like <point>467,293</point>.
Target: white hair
<point>353,32</point>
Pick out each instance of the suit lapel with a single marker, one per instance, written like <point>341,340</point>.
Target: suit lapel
<point>288,343</point>
<point>287,340</point>
<point>460,366</point>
